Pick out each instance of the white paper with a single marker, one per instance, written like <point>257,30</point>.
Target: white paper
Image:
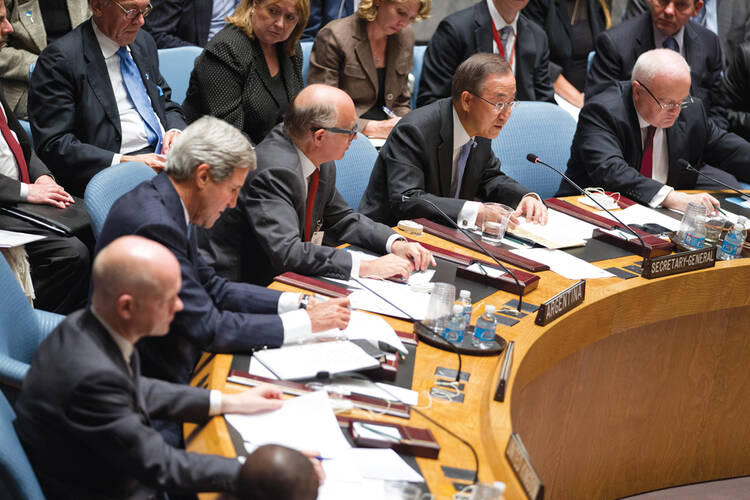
<point>348,385</point>
<point>307,360</point>
<point>378,463</point>
<point>493,272</point>
<point>561,231</point>
<point>563,263</point>
<point>369,327</point>
<point>640,214</point>
<point>10,239</point>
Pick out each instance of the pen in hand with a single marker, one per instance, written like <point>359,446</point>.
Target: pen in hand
<point>388,111</point>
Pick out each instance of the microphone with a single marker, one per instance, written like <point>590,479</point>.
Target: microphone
<point>481,248</point>
<point>687,166</point>
<point>535,159</point>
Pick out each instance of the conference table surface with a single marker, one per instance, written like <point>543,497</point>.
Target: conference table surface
<point>643,386</point>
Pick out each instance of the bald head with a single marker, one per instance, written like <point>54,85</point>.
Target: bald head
<point>317,106</point>
<point>660,63</point>
<point>275,472</point>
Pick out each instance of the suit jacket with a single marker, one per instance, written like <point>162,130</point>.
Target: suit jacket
<point>230,81</point>
<point>74,116</point>
<point>618,48</point>
<point>27,41</point>
<point>341,57</point>
<point>737,92</point>
<point>177,23</point>
<point>469,31</point>
<point>324,11</point>
<point>218,316</point>
<point>417,161</point>
<point>732,20</point>
<point>263,235</point>
<point>84,421</point>
<point>607,148</point>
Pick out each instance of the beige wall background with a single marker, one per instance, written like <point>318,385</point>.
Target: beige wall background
<point>440,8</point>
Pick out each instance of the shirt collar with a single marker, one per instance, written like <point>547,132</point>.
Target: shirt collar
<point>307,166</point>
<point>460,136</point>
<point>185,211</point>
<point>498,19</point>
<point>659,38</point>
<point>108,46</point>
<point>126,348</point>
<point>641,122</point>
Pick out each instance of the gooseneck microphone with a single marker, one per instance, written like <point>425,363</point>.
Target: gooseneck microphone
<point>480,247</point>
<point>535,159</point>
<point>687,166</point>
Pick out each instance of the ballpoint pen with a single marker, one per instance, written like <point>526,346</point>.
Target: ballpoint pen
<point>388,111</point>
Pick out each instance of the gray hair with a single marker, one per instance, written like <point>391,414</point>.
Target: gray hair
<point>212,141</point>
<point>300,118</point>
<point>655,62</point>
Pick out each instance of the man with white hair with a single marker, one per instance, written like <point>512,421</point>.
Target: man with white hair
<point>631,137</point>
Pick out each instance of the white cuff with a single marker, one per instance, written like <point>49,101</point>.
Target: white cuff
<point>24,191</point>
<point>297,326</point>
<point>116,159</point>
<point>214,403</point>
<point>534,195</point>
<point>288,301</point>
<point>354,273</point>
<point>467,217</point>
<point>391,240</point>
<point>660,196</point>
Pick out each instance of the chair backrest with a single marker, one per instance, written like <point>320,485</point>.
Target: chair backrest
<point>306,49</point>
<point>416,70</point>
<point>16,473</point>
<point>175,65</point>
<point>540,128</point>
<point>27,128</point>
<point>589,59</point>
<point>108,185</point>
<point>353,170</point>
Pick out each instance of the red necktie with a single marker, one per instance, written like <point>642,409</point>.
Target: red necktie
<point>15,147</point>
<point>312,188</point>
<point>647,163</point>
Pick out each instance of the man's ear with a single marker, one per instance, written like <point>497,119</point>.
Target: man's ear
<point>202,175</point>
<point>126,306</point>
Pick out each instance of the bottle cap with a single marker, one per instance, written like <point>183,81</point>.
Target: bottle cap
<point>458,309</point>
<point>489,309</point>
<point>464,294</point>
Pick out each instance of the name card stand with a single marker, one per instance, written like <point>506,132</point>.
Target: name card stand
<point>415,441</point>
<point>520,462</point>
<point>680,262</point>
<point>561,303</point>
<point>654,246</point>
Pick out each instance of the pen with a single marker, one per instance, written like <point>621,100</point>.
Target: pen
<point>722,212</point>
<point>320,459</point>
<point>388,111</point>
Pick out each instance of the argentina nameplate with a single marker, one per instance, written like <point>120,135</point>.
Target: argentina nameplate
<point>561,303</point>
<point>677,263</point>
<point>520,462</point>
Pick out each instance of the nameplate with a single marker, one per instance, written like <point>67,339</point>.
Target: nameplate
<point>677,263</point>
<point>519,461</point>
<point>561,303</point>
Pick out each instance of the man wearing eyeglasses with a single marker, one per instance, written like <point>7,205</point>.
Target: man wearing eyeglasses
<point>290,203</point>
<point>631,136</point>
<point>667,25</point>
<point>97,98</point>
<point>441,154</point>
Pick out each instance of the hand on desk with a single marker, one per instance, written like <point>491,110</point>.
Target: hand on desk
<point>532,209</point>
<point>46,191</point>
<point>679,201</point>
<point>325,315</point>
<point>256,400</point>
<point>416,254</point>
<point>387,266</point>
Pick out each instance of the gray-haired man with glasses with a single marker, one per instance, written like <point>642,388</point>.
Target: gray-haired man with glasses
<point>631,136</point>
<point>441,153</point>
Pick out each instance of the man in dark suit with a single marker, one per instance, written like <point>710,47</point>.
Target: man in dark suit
<point>631,136</point>
<point>178,23</point>
<point>290,201</point>
<point>736,86</point>
<point>59,265</point>
<point>441,153</point>
<point>666,25</point>
<point>97,97</point>
<point>473,30</point>
<point>323,12</point>
<point>84,411</point>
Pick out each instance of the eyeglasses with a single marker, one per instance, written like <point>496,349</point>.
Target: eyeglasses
<point>681,6</point>
<point>335,130</point>
<point>131,14</point>
<point>499,106</point>
<point>668,106</point>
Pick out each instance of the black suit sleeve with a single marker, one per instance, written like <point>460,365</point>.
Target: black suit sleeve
<point>444,53</point>
<point>175,402</point>
<point>737,92</point>
<point>727,151</point>
<point>163,23</point>
<point>712,82</point>
<point>606,67</point>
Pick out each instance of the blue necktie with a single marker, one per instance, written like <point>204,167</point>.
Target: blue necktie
<point>701,17</point>
<point>137,92</point>
<point>462,157</point>
<point>505,32</point>
<point>670,43</point>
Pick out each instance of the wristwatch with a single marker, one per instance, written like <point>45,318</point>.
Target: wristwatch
<point>304,300</point>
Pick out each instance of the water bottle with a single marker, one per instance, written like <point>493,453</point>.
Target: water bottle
<point>692,232</point>
<point>464,300</point>
<point>484,331</point>
<point>733,241</point>
<point>456,326</point>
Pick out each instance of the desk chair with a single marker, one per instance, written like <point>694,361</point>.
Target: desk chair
<point>175,65</point>
<point>27,128</point>
<point>416,70</point>
<point>306,49</point>
<point>17,478</point>
<point>108,185</point>
<point>540,128</point>
<point>353,170</point>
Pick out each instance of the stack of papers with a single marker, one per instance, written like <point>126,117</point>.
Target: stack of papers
<point>563,263</point>
<point>297,362</point>
<point>10,239</point>
<point>368,327</point>
<point>640,214</point>
<point>561,231</point>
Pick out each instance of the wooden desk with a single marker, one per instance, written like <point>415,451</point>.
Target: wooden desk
<point>643,386</point>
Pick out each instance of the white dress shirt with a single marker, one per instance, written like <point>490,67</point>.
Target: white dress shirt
<point>500,24</point>
<point>8,163</point>
<point>660,159</point>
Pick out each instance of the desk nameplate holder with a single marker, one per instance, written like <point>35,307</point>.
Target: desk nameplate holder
<point>415,441</point>
<point>297,389</point>
<point>456,258</point>
<point>312,284</point>
<point>561,303</point>
<point>676,263</point>
<point>520,462</point>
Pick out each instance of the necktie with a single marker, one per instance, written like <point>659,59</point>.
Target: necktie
<point>15,147</point>
<point>462,157</point>
<point>131,77</point>
<point>312,188</point>
<point>670,43</point>
<point>701,17</point>
<point>647,163</point>
<point>505,33</point>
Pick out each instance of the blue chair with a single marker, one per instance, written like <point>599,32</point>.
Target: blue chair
<point>22,329</point>
<point>27,128</point>
<point>589,59</point>
<point>416,70</point>
<point>17,477</point>
<point>175,65</point>
<point>306,49</point>
<point>540,128</point>
<point>353,170</point>
<point>108,185</point>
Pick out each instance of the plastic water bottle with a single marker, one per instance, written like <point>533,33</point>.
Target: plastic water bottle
<point>484,331</point>
<point>464,300</point>
<point>733,241</point>
<point>456,326</point>
<point>692,232</point>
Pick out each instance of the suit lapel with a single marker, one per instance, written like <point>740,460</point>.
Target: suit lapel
<point>644,40</point>
<point>675,144</point>
<point>364,54</point>
<point>472,173</point>
<point>482,28</point>
<point>445,149</point>
<point>324,187</point>
<point>135,367</point>
<point>98,78</point>
<point>635,125</point>
<point>27,17</point>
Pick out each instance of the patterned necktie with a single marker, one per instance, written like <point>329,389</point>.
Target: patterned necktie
<point>131,77</point>
<point>670,43</point>
<point>700,18</point>
<point>312,188</point>
<point>505,33</point>
<point>462,157</point>
<point>647,163</point>
<point>15,147</point>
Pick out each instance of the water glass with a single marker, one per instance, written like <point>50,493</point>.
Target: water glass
<point>714,226</point>
<point>442,297</point>
<point>496,217</point>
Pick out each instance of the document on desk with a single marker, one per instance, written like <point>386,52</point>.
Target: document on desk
<point>369,327</point>
<point>297,362</point>
<point>348,385</point>
<point>10,239</point>
<point>561,231</point>
<point>640,214</point>
<point>563,263</point>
